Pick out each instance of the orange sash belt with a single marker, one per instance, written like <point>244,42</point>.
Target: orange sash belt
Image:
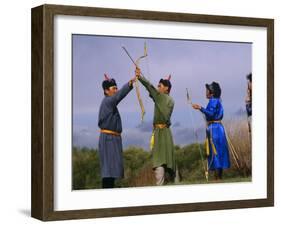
<point>159,126</point>
<point>215,121</point>
<point>106,131</point>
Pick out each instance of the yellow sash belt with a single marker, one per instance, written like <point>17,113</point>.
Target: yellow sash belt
<point>152,139</point>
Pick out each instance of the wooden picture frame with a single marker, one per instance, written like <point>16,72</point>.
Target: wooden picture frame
<point>42,203</point>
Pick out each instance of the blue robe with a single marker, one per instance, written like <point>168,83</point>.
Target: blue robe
<point>214,112</point>
<point>110,146</point>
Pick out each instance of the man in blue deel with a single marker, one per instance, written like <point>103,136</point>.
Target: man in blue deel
<point>110,141</point>
<point>249,102</point>
<point>216,141</point>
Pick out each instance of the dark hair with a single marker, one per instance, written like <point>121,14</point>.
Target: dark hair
<point>215,89</point>
<point>249,77</point>
<point>166,83</point>
<point>106,84</point>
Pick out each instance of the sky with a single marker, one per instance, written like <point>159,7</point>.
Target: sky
<point>191,63</point>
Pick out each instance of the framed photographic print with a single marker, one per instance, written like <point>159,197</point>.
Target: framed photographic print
<point>143,112</point>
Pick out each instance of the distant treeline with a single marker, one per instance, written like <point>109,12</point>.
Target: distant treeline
<point>138,167</point>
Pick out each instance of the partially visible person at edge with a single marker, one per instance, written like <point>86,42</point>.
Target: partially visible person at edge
<point>216,140</point>
<point>162,144</point>
<point>248,101</point>
<point>109,122</point>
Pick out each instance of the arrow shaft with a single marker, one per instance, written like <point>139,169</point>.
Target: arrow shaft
<point>137,86</point>
<point>126,51</point>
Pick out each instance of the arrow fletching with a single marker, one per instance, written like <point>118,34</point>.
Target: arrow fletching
<point>188,96</point>
<point>145,49</point>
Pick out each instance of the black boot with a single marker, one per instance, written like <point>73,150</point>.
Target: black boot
<point>218,174</point>
<point>108,182</point>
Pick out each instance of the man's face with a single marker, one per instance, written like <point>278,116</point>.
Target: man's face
<point>111,91</point>
<point>249,85</point>
<point>162,88</point>
<point>208,94</point>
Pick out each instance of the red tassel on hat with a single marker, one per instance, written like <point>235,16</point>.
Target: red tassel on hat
<point>169,77</point>
<point>106,77</point>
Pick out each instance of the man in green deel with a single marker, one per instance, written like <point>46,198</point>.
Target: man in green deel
<point>162,144</point>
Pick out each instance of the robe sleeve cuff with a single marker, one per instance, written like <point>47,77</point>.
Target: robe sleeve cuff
<point>130,83</point>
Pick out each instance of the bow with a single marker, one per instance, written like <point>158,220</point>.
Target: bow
<point>136,63</point>
<point>205,168</point>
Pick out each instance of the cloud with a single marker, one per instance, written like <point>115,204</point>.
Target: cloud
<point>139,136</point>
<point>240,112</point>
<point>184,136</point>
<point>133,137</point>
<point>176,124</point>
<point>145,126</point>
<point>85,137</point>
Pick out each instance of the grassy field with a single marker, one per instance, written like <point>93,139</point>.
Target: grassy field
<point>211,181</point>
<point>138,165</point>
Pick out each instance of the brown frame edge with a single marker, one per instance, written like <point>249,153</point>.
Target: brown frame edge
<point>42,197</point>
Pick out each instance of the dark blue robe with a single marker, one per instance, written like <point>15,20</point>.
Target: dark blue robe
<point>214,112</point>
<point>110,146</point>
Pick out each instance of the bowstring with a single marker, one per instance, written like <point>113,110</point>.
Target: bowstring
<point>195,131</point>
<point>146,62</point>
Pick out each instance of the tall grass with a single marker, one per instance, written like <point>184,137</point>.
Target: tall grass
<point>145,177</point>
<point>238,132</point>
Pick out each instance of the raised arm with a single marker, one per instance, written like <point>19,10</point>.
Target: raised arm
<point>211,109</point>
<point>121,93</point>
<point>153,93</point>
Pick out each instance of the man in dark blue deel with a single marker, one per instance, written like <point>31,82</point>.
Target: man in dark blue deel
<point>109,122</point>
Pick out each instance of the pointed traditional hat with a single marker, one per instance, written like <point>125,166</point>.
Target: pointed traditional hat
<point>166,82</point>
<point>108,82</point>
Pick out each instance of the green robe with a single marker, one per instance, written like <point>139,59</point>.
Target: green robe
<point>163,150</point>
